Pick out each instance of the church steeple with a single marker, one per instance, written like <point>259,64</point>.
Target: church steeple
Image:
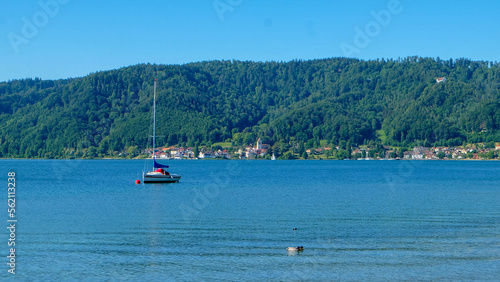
<point>259,144</point>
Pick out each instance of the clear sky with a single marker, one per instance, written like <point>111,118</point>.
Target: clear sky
<point>54,39</point>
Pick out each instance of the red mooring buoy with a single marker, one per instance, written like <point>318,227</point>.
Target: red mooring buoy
<point>137,181</point>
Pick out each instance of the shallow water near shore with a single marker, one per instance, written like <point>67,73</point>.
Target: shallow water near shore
<point>233,220</point>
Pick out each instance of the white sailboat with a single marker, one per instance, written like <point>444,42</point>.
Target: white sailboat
<point>159,174</point>
<point>273,158</point>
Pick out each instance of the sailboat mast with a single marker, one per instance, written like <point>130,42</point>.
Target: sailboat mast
<point>154,122</point>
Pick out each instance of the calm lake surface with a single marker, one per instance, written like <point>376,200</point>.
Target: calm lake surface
<point>232,220</point>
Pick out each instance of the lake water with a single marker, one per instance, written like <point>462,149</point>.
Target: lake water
<point>233,220</point>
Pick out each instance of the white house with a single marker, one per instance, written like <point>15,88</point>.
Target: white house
<point>440,79</point>
<point>206,155</point>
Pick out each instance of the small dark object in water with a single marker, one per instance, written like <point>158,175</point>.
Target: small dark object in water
<point>298,248</point>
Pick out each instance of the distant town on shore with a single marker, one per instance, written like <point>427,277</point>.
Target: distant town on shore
<point>482,151</point>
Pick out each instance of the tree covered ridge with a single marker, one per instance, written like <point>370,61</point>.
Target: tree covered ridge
<point>390,102</point>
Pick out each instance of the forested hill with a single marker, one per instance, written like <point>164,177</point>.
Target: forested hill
<point>389,102</point>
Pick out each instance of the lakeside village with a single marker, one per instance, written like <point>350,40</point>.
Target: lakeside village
<point>481,151</point>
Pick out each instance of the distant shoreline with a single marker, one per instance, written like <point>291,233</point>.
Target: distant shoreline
<point>214,159</point>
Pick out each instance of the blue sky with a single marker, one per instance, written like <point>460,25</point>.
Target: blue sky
<point>54,39</point>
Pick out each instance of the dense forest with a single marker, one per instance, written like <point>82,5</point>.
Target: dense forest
<point>298,103</point>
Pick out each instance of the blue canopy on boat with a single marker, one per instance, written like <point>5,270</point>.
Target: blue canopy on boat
<point>158,165</point>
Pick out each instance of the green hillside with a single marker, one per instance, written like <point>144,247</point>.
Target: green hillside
<point>387,102</point>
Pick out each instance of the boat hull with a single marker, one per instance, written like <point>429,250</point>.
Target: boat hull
<point>160,178</point>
